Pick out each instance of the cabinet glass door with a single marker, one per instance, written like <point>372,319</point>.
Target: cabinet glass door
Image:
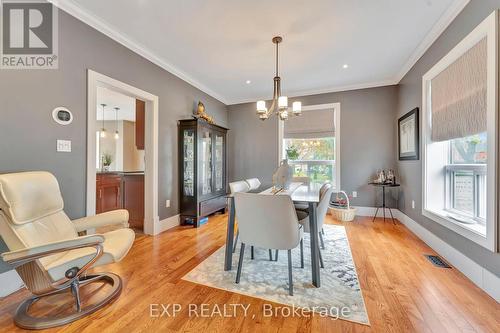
<point>189,162</point>
<point>219,162</point>
<point>206,162</point>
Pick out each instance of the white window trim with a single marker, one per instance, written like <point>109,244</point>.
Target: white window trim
<point>488,28</point>
<point>335,107</point>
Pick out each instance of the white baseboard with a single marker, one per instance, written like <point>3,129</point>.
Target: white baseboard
<point>10,282</point>
<point>370,211</point>
<point>481,277</point>
<point>168,223</point>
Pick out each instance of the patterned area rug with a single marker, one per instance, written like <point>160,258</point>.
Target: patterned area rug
<point>339,295</point>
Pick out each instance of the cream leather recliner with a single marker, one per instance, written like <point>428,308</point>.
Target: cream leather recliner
<point>45,248</point>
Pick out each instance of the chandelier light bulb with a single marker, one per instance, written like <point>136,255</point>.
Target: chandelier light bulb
<point>103,133</point>
<point>117,135</point>
<point>261,107</point>
<point>297,107</point>
<point>283,102</point>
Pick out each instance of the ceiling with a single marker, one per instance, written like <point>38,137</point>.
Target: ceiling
<point>218,45</point>
<point>114,99</point>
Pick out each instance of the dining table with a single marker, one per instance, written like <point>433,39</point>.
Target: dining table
<point>299,193</point>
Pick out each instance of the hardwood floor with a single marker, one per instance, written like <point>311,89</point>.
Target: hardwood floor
<point>402,290</point>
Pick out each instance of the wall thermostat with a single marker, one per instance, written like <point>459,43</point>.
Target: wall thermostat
<point>62,115</point>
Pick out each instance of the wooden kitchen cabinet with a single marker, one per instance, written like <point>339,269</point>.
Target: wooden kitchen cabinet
<point>133,198</point>
<point>140,122</point>
<point>108,196</point>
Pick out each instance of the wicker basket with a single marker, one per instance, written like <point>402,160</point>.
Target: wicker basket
<point>343,214</point>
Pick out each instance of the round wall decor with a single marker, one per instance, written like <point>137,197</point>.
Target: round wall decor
<point>62,115</point>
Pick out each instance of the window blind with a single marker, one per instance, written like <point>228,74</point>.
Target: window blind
<point>313,124</point>
<point>458,96</point>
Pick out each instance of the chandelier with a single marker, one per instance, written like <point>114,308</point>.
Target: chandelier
<point>279,103</point>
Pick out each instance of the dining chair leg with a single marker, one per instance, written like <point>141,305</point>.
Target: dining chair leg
<point>320,258</point>
<point>322,241</point>
<point>270,255</point>
<point>240,263</point>
<point>301,253</point>
<point>290,279</point>
<point>323,231</point>
<point>277,255</point>
<point>236,240</point>
<point>251,252</point>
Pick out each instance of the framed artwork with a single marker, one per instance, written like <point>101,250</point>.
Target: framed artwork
<point>408,136</point>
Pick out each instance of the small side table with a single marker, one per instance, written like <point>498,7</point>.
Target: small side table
<point>383,199</point>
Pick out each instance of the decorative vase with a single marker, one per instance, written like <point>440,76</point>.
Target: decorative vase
<point>282,177</point>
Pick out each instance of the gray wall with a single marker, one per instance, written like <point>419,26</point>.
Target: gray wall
<point>367,139</point>
<point>410,96</point>
<point>28,134</point>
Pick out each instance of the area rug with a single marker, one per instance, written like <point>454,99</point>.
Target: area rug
<point>338,297</point>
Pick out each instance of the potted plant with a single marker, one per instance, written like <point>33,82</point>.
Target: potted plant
<point>292,153</point>
<point>107,159</point>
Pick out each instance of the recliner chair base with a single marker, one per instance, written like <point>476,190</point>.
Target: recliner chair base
<point>26,321</point>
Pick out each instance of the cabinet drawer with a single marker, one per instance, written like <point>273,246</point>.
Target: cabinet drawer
<point>212,205</point>
<point>108,179</point>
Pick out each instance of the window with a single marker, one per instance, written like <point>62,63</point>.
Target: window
<point>310,142</point>
<point>459,131</point>
<point>466,179</point>
<point>313,158</point>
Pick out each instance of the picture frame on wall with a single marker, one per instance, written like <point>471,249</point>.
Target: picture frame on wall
<point>408,136</point>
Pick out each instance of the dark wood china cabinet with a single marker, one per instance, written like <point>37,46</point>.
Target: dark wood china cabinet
<point>202,170</point>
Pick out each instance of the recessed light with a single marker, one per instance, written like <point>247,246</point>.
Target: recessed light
<point>345,66</point>
<point>248,81</point>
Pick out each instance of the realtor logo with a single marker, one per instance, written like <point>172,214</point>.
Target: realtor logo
<point>29,35</point>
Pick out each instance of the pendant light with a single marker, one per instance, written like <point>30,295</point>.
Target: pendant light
<point>117,134</point>
<point>279,103</point>
<point>103,129</point>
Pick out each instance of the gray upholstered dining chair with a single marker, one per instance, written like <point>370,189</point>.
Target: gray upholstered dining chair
<point>239,186</point>
<point>325,193</point>
<point>268,221</point>
<point>305,181</point>
<point>234,187</point>
<point>253,183</point>
<point>47,252</point>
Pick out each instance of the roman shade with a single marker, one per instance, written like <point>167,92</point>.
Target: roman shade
<point>311,124</point>
<point>458,96</point>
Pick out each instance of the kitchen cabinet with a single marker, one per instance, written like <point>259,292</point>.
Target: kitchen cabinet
<point>140,122</point>
<point>133,198</point>
<point>108,196</point>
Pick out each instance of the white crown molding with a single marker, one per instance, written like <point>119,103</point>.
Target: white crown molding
<point>78,12</point>
<point>302,93</point>
<point>439,27</point>
<point>73,9</point>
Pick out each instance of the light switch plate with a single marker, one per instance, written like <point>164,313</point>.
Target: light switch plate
<point>64,146</point>
<point>167,203</point>
<point>354,194</point>
<point>413,204</point>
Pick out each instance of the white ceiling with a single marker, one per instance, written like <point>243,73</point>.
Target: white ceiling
<point>114,99</point>
<point>218,45</point>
